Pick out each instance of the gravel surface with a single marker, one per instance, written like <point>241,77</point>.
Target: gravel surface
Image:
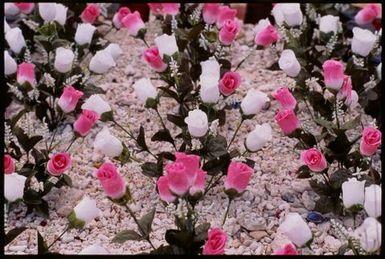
<point>253,219</point>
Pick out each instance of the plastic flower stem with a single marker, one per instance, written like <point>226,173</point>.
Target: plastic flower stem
<point>227,211</point>
<point>235,133</point>
<point>54,134</point>
<point>73,140</point>
<point>244,153</point>
<point>336,112</point>
<point>308,108</point>
<point>145,42</point>
<point>65,230</point>
<point>208,185</point>
<point>243,60</point>
<point>164,126</point>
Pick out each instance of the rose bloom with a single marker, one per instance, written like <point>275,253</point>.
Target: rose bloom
<point>287,249</point>
<point>215,245</point>
<point>314,159</point>
<point>25,73</point>
<point>170,8</point>
<point>228,32</point>
<point>85,122</point>
<point>155,8</point>
<point>153,58</point>
<point>284,98</point>
<point>119,15</point>
<point>112,182</point>
<point>238,176</point>
<point>265,33</point>
<point>9,164</point>
<point>25,8</point>
<point>191,162</point>
<point>370,140</point>
<point>333,72</point>
<point>287,121</point>
<point>225,13</point>
<point>229,83</point>
<point>164,191</point>
<point>368,14</point>
<point>178,181</point>
<point>210,12</point>
<point>59,163</point>
<point>90,13</point>
<point>133,22</point>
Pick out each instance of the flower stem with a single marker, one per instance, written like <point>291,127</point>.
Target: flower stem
<point>235,133</point>
<point>336,112</point>
<point>243,60</point>
<point>73,140</point>
<point>227,212</point>
<point>65,230</point>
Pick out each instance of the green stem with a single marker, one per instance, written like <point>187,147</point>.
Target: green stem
<point>243,60</point>
<point>208,185</point>
<point>73,140</point>
<point>227,212</point>
<point>336,112</point>
<point>65,230</point>
<point>235,133</point>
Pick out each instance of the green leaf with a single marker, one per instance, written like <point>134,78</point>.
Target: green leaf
<point>201,232</point>
<point>169,93</point>
<point>163,135</point>
<point>126,235</point>
<point>339,177</point>
<point>216,146</point>
<point>179,238</point>
<point>16,118</point>
<point>327,204</point>
<point>42,209</point>
<point>141,139</point>
<point>90,89</point>
<point>32,197</point>
<point>195,31</point>
<point>124,156</point>
<point>373,173</point>
<point>303,172</point>
<point>12,234</point>
<point>150,169</point>
<point>107,116</point>
<point>41,244</point>
<point>320,188</point>
<point>176,119</point>
<point>352,123</point>
<point>27,143</point>
<point>146,221</point>
<point>163,250</point>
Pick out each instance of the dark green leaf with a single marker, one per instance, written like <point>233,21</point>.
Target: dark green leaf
<point>124,156</point>
<point>201,232</point>
<point>89,90</point>
<point>352,123</point>
<point>26,142</point>
<point>303,172</point>
<point>163,135</point>
<point>32,197</point>
<point>179,238</point>
<point>41,244</point>
<point>141,139</point>
<point>107,116</point>
<point>126,235</point>
<point>216,146</point>
<point>176,119</point>
<point>150,169</point>
<point>339,177</point>
<point>169,93</point>
<point>146,221</point>
<point>12,234</point>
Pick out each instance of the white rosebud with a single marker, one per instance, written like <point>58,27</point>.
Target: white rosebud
<point>257,138</point>
<point>47,11</point>
<point>209,91</point>
<point>292,14</point>
<point>15,39</point>
<point>253,102</point>
<point>144,89</point>
<point>114,50</point>
<point>353,192</point>
<point>296,229</point>
<point>86,210</point>
<point>352,100</point>
<point>278,14</point>
<point>10,9</point>
<point>93,250</point>
<point>6,26</point>
<point>63,60</point>
<point>10,65</point>
<point>84,33</point>
<point>61,14</point>
<point>108,144</point>
<point>363,41</point>
<point>372,203</point>
<point>329,23</point>
<point>101,62</point>
<point>197,123</point>
<point>166,44</point>
<point>369,234</point>
<point>379,69</point>
<point>97,104</point>
<point>288,63</point>
<point>14,186</point>
<point>211,67</point>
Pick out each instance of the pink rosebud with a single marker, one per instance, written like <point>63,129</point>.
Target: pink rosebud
<point>170,8</point>
<point>153,58</point>
<point>133,22</point>
<point>229,83</point>
<point>90,13</point>
<point>287,121</point>
<point>225,13</point>
<point>59,163</point>
<point>368,14</point>
<point>155,8</point>
<point>314,159</point>
<point>346,89</point>
<point>85,122</point>
<point>210,12</point>
<point>25,8</point>
<point>69,99</point>
<point>199,183</point>
<point>216,242</point>
<point>284,98</point>
<point>333,72</point>
<point>119,15</point>
<point>287,249</point>
<point>112,182</point>
<point>191,163</point>
<point>238,176</point>
<point>26,73</point>
<point>265,33</point>
<point>164,191</point>
<point>370,140</point>
<point>178,181</point>
<point>9,164</point>
<point>228,32</point>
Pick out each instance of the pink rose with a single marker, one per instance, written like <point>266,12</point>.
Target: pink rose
<point>285,99</point>
<point>228,32</point>
<point>9,164</point>
<point>368,14</point>
<point>215,244</point>
<point>170,8</point>
<point>346,89</point>
<point>370,140</point>
<point>229,83</point>
<point>59,163</point>
<point>266,36</point>
<point>112,182</point>
<point>191,163</point>
<point>26,73</point>
<point>69,99</point>
<point>287,121</point>
<point>25,8</point>
<point>210,12</point>
<point>333,72</point>
<point>119,15</point>
<point>155,8</point>
<point>85,122</point>
<point>225,13</point>
<point>153,58</point>
<point>238,176</point>
<point>164,191</point>
<point>133,22</point>
<point>90,13</point>
<point>314,159</point>
<point>287,249</point>
<point>199,183</point>
<point>178,181</point>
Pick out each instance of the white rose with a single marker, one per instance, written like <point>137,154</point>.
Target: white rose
<point>6,26</point>
<point>84,33</point>
<point>61,14</point>
<point>363,41</point>
<point>97,104</point>
<point>47,11</point>
<point>10,65</point>
<point>209,91</point>
<point>379,68</point>
<point>211,67</point>
<point>353,192</point>
<point>63,60</point>
<point>369,234</point>
<point>93,250</point>
<point>144,89</point>
<point>329,23</point>
<point>292,14</point>
<point>278,14</point>
<point>101,62</point>
<point>15,39</point>
<point>86,210</point>
<point>14,186</point>
<point>166,44</point>
<point>352,101</point>
<point>257,138</point>
<point>197,123</point>
<point>372,203</point>
<point>108,144</point>
<point>114,50</point>
<point>10,9</point>
<point>288,63</point>
<point>253,102</point>
<point>296,229</point>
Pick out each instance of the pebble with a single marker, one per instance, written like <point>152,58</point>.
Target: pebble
<point>288,196</point>
<point>17,248</point>
<point>252,223</point>
<point>331,244</point>
<point>258,235</point>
